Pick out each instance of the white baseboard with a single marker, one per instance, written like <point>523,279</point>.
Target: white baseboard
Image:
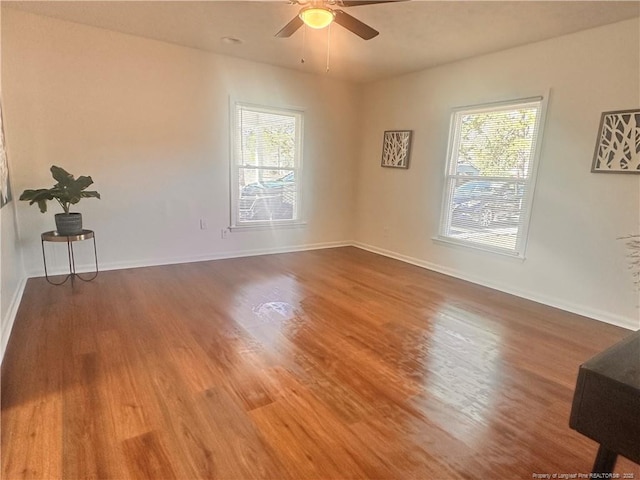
<point>84,268</point>
<point>595,314</point>
<point>10,317</point>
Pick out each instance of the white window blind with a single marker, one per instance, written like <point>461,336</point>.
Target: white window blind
<point>266,170</point>
<point>490,175</point>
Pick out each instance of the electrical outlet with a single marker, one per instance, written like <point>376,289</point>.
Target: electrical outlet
<point>223,233</point>
<point>203,224</point>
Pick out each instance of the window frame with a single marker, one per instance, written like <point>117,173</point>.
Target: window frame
<point>236,164</point>
<point>519,252</point>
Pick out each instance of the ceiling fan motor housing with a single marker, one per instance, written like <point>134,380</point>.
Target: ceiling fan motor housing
<point>317,16</point>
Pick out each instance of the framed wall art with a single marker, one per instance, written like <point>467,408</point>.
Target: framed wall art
<point>618,143</point>
<point>396,148</point>
<point>5,189</point>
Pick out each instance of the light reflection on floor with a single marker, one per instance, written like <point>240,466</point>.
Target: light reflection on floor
<point>464,366</point>
<point>268,310</point>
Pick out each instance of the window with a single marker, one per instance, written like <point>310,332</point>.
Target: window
<point>490,175</point>
<point>266,170</point>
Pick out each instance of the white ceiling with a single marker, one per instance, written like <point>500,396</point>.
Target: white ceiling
<point>413,35</point>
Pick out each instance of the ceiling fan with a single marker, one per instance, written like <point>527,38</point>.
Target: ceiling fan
<point>320,14</point>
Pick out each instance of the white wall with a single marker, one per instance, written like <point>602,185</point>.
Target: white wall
<point>573,259</point>
<point>12,276</point>
<point>149,122</point>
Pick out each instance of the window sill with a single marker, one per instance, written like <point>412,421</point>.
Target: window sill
<point>450,242</point>
<point>267,226</point>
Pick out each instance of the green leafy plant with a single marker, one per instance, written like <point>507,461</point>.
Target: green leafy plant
<point>68,191</point>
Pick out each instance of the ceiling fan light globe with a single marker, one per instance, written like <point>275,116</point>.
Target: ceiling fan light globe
<point>317,17</point>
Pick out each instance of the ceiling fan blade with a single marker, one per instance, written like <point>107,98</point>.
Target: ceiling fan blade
<point>354,25</point>
<point>290,28</point>
<point>355,3</point>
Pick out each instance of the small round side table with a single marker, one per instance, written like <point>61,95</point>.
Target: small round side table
<point>54,236</point>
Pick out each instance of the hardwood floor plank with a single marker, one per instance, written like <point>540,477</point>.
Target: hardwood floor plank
<point>29,436</point>
<point>180,421</point>
<point>323,446</point>
<point>410,454</point>
<point>240,450</point>
<point>325,364</point>
<point>147,457</point>
<point>89,446</point>
<point>125,387</point>
<point>31,405</point>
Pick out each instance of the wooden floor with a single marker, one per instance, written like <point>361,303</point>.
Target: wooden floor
<point>327,364</point>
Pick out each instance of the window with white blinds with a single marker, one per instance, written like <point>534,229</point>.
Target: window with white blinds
<point>266,168</point>
<point>491,174</point>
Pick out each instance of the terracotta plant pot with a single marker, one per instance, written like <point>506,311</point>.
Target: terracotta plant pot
<point>69,223</point>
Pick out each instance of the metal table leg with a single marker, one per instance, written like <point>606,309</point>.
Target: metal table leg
<point>46,273</point>
<point>93,275</point>
<point>55,237</point>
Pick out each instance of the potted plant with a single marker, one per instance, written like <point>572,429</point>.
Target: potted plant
<point>68,191</point>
